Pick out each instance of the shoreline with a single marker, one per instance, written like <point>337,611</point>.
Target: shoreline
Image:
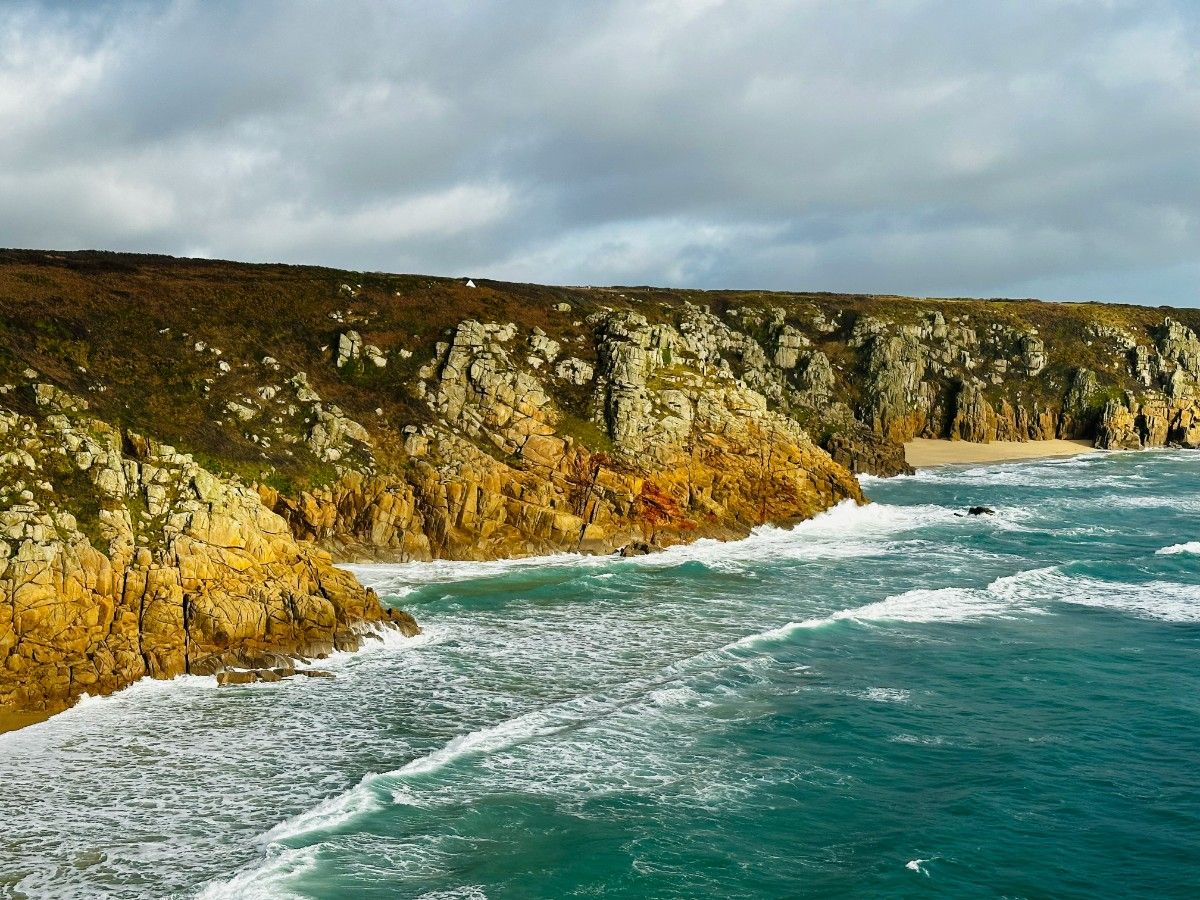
<point>925,453</point>
<point>11,720</point>
<point>920,453</point>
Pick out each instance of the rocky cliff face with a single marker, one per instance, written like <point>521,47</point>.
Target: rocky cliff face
<point>185,446</point>
<point>678,448</point>
<point>121,557</point>
<point>1164,408</point>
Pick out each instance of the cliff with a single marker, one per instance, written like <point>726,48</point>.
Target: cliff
<point>120,557</point>
<point>186,446</point>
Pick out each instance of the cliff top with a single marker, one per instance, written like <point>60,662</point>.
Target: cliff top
<point>170,346</point>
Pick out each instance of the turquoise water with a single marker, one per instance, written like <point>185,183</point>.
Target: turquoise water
<point>886,701</point>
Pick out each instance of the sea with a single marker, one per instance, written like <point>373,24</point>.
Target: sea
<point>889,700</point>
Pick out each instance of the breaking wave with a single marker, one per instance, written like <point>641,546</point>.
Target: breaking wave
<point>1191,548</point>
<point>846,530</point>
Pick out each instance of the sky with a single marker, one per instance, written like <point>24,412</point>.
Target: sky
<point>1046,148</point>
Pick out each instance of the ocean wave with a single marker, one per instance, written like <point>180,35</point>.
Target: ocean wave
<point>1022,593</point>
<point>846,530</point>
<point>919,605</point>
<point>1142,501</point>
<point>99,710</point>
<point>530,726</point>
<point>400,579</point>
<point>329,814</point>
<point>663,690</point>
<point>266,879</point>
<point>367,796</point>
<point>1163,600</point>
<point>376,640</point>
<point>1191,548</point>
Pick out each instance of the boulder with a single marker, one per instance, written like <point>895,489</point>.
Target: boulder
<point>638,548</point>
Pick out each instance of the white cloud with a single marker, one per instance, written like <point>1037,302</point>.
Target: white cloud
<point>969,148</point>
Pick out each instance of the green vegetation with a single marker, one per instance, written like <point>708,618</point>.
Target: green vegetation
<point>164,346</point>
<point>586,432</point>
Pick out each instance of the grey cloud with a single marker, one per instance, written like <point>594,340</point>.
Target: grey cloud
<point>965,148</point>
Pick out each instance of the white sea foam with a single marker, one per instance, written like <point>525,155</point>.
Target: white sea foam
<point>1191,547</point>
<point>1165,600</point>
<point>266,879</point>
<point>661,693</point>
<point>917,865</point>
<point>363,798</point>
<point>405,796</point>
<point>884,695</point>
<point>330,814</point>
<point>920,605</point>
<point>847,530</point>
<point>467,892</point>
<point>677,696</point>
<point>927,740</point>
<point>399,579</point>
<point>1128,500</point>
<point>108,709</point>
<point>1017,473</point>
<point>538,723</point>
<point>376,640</point>
<point>948,604</point>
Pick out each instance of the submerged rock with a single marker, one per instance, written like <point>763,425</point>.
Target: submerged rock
<point>639,548</point>
<point>252,676</point>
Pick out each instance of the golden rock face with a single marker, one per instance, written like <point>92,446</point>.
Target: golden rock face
<point>411,418</point>
<point>188,571</point>
<point>213,579</point>
<point>693,453</point>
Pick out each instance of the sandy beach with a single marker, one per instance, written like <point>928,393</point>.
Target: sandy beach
<point>925,452</point>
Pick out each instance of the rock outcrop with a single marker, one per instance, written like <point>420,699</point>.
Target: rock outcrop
<point>186,447</point>
<point>121,557</point>
<point>684,454</point>
<point>1164,409</point>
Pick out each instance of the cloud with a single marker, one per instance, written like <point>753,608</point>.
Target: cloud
<point>964,148</point>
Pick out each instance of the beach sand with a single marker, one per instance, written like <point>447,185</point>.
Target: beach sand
<point>924,452</point>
